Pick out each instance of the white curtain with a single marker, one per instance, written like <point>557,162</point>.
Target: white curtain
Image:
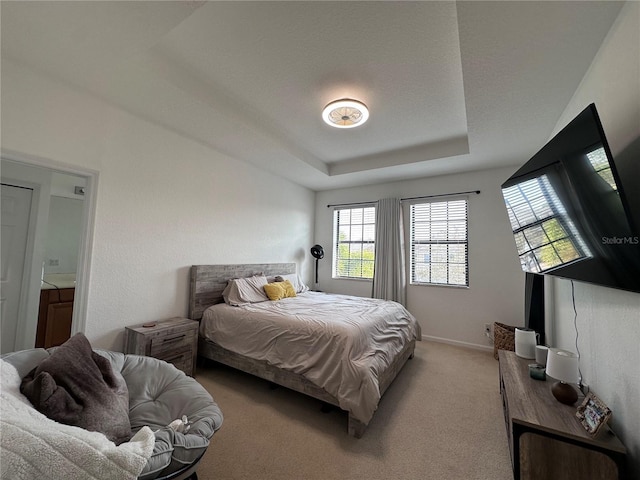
<point>389,281</point>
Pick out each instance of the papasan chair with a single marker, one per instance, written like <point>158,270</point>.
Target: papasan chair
<point>180,413</point>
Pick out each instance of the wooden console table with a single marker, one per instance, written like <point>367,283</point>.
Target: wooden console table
<point>546,440</point>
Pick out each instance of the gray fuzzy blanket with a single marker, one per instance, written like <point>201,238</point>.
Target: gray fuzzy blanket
<point>77,386</point>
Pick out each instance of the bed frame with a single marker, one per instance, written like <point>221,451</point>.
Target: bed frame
<point>207,284</point>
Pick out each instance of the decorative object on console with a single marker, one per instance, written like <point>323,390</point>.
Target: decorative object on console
<point>563,366</point>
<point>525,341</point>
<point>536,371</point>
<point>541,354</point>
<point>318,253</point>
<point>593,414</point>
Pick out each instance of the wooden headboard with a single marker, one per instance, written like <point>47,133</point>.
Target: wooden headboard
<point>208,281</point>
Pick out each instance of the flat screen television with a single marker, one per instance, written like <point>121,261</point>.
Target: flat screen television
<point>569,213</point>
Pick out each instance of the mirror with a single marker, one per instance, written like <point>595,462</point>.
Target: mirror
<point>62,243</point>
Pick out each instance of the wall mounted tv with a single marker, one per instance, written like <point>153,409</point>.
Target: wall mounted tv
<point>569,213</point>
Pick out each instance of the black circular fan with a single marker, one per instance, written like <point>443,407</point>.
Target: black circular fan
<point>318,252</point>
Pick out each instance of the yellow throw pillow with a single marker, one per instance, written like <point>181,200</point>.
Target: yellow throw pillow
<point>279,290</point>
<point>275,291</point>
<point>289,291</point>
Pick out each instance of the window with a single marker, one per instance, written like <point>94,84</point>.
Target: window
<point>354,234</point>
<point>439,243</point>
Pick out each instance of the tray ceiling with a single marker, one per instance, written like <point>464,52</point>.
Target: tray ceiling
<point>451,86</point>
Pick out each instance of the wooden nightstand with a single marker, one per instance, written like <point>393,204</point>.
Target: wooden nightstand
<point>174,341</point>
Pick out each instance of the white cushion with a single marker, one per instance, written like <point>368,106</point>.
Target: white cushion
<point>240,291</point>
<point>296,281</point>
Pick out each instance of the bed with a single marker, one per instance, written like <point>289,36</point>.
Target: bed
<point>339,349</point>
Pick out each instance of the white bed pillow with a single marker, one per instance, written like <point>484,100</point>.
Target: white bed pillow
<point>240,291</point>
<point>298,285</point>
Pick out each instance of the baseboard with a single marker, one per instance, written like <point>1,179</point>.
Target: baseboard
<point>475,346</point>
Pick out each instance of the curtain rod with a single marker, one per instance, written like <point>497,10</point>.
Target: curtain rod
<point>477,192</point>
<point>351,204</point>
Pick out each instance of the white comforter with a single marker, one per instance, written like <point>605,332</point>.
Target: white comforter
<point>340,343</point>
<point>35,447</point>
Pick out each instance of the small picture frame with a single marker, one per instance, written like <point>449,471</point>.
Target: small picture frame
<point>593,414</point>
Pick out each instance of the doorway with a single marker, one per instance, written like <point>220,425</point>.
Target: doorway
<point>55,251</point>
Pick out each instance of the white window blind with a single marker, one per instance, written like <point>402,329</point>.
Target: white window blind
<point>354,235</point>
<point>439,243</point>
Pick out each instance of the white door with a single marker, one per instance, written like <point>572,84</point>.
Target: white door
<point>16,207</point>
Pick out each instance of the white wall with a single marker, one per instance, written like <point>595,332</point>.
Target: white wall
<point>496,282</point>
<point>164,202</point>
<point>608,320</point>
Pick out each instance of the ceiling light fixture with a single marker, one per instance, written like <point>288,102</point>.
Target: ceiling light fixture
<point>345,113</point>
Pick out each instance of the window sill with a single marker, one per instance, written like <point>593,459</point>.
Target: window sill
<point>464,287</point>
<point>353,278</point>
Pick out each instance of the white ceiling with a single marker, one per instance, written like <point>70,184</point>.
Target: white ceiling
<point>451,86</point>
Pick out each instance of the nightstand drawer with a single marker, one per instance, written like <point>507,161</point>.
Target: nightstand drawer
<point>170,344</point>
<point>182,360</point>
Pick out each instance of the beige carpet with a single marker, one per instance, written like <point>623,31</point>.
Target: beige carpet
<point>440,419</point>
